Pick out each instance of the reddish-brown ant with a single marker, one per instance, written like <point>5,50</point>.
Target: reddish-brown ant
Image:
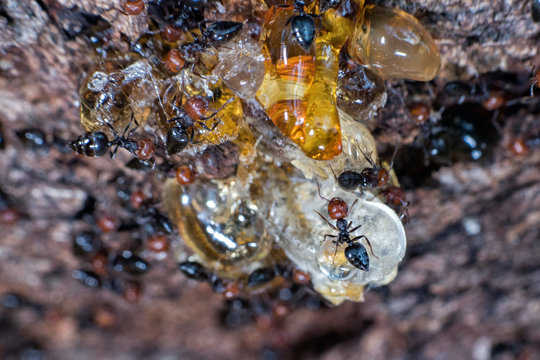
<point>355,252</point>
<point>192,112</point>
<point>394,195</point>
<point>132,7</point>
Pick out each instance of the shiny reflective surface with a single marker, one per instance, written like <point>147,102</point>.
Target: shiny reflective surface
<point>396,45</point>
<point>219,223</point>
<point>299,88</point>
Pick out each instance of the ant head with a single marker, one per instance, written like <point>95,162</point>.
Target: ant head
<point>337,208</point>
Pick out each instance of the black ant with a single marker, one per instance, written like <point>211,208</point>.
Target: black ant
<point>216,33</point>
<point>183,132</point>
<point>302,24</point>
<point>96,143</point>
<point>374,176</point>
<point>355,253</point>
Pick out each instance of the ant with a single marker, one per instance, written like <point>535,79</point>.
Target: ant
<point>216,33</point>
<point>302,24</point>
<point>355,253</point>
<point>374,176</point>
<point>96,143</point>
<point>395,196</point>
<point>183,132</point>
<point>132,7</point>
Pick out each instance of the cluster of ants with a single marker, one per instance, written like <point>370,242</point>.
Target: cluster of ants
<point>171,19</point>
<point>193,111</point>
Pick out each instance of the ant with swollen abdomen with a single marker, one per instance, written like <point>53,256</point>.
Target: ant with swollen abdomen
<point>355,252</point>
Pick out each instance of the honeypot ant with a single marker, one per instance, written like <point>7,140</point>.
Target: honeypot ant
<point>183,132</point>
<point>302,24</point>
<point>355,252</point>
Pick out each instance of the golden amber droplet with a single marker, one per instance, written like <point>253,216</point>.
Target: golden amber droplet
<point>299,88</point>
<point>396,45</point>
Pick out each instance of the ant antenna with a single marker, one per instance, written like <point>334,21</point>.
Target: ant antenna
<point>368,158</point>
<point>319,188</point>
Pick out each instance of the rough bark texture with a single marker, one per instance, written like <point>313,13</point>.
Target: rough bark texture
<point>469,287</point>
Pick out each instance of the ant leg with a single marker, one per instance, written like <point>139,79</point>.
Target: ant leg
<point>335,253</point>
<point>205,127</point>
<point>319,188</point>
<point>218,110</point>
<point>368,242</point>
<point>328,222</point>
<point>333,173</point>
<point>404,215</point>
<point>328,236</point>
<point>215,124</point>
<point>356,228</point>
<point>354,203</point>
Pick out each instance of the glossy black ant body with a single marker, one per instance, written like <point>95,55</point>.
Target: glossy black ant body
<point>183,132</point>
<point>96,143</point>
<point>302,25</point>
<point>355,252</point>
<point>373,177</point>
<point>216,33</point>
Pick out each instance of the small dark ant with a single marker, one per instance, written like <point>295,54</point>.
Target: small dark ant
<point>183,132</point>
<point>216,33</point>
<point>373,177</point>
<point>355,253</point>
<point>96,143</point>
<point>302,24</point>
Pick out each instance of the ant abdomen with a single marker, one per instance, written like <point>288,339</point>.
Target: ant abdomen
<point>91,144</point>
<point>357,255</point>
<point>349,180</point>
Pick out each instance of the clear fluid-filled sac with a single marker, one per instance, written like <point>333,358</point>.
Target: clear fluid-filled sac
<point>299,88</point>
<point>117,92</point>
<point>219,222</point>
<point>394,44</point>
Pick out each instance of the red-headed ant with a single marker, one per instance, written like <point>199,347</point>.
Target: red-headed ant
<point>96,143</point>
<point>355,252</point>
<point>183,132</point>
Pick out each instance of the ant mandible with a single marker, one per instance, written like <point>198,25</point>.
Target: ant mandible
<point>355,252</point>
